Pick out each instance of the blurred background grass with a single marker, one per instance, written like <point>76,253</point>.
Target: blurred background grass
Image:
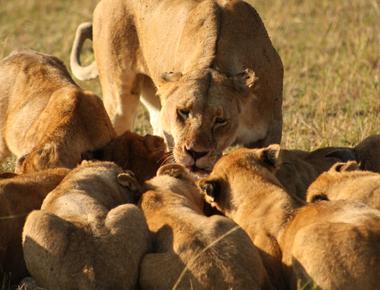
<point>330,50</point>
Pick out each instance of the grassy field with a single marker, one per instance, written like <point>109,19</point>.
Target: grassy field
<point>330,50</point>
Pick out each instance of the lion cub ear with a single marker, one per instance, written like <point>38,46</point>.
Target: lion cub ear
<point>344,166</point>
<point>129,180</point>
<point>270,156</point>
<point>244,80</point>
<point>210,188</point>
<point>173,170</point>
<point>171,76</point>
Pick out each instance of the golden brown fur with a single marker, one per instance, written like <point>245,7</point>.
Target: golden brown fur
<point>205,86</point>
<point>141,154</point>
<point>343,181</point>
<point>333,245</point>
<point>87,235</point>
<point>46,119</point>
<point>298,169</point>
<point>19,195</point>
<point>191,247</point>
<point>243,186</point>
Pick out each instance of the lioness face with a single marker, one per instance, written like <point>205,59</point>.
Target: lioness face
<point>200,118</point>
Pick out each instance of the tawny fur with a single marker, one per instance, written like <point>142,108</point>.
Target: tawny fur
<point>342,182</point>
<point>205,86</point>
<point>298,169</point>
<point>87,235</point>
<point>329,245</point>
<point>19,195</point>
<point>46,120</point>
<point>141,154</point>
<point>186,242</point>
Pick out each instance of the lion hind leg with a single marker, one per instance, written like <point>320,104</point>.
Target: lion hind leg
<point>115,44</point>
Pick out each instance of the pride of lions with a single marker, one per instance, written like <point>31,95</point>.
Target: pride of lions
<point>92,205</point>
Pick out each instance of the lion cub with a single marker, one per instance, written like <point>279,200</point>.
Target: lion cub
<point>19,195</point>
<point>46,119</point>
<point>299,169</point>
<point>85,236</point>
<point>141,154</point>
<point>345,181</point>
<point>192,251</point>
<point>331,245</point>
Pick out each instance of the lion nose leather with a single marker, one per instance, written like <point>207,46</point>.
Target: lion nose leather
<point>195,154</point>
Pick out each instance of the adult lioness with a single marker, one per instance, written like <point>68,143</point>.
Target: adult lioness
<point>197,252</point>
<point>206,71</point>
<point>87,235</point>
<point>19,195</point>
<point>344,181</point>
<point>330,245</point>
<point>46,120</point>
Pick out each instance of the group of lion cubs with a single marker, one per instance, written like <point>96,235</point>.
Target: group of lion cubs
<point>278,218</point>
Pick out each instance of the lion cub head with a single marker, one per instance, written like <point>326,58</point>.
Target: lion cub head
<point>235,172</point>
<point>141,154</point>
<point>321,186</point>
<point>42,157</point>
<point>175,178</point>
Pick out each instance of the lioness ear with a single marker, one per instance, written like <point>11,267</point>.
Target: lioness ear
<point>173,170</point>
<point>245,79</point>
<point>344,166</point>
<point>171,76</point>
<point>128,179</point>
<point>270,156</point>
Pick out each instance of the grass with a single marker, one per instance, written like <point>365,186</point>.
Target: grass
<point>330,51</point>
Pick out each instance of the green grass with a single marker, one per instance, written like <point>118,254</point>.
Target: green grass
<point>330,50</point>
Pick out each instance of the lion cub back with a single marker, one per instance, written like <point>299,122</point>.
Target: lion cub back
<point>335,244</point>
<point>204,252</point>
<point>87,234</point>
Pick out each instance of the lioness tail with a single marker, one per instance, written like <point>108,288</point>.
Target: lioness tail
<point>83,32</point>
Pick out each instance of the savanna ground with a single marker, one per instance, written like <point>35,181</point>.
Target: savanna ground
<point>330,50</point>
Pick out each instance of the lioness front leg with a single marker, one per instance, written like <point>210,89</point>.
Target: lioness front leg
<point>115,46</point>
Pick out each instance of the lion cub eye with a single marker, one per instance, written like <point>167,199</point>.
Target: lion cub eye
<point>183,113</point>
<point>220,121</point>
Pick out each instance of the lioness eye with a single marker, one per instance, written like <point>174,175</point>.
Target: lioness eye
<point>183,113</point>
<point>220,121</point>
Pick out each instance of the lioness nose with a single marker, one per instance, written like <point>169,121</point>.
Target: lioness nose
<point>195,154</point>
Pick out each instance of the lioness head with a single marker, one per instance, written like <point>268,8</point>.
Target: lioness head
<point>200,114</point>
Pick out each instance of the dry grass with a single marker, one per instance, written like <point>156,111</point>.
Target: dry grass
<point>330,50</point>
